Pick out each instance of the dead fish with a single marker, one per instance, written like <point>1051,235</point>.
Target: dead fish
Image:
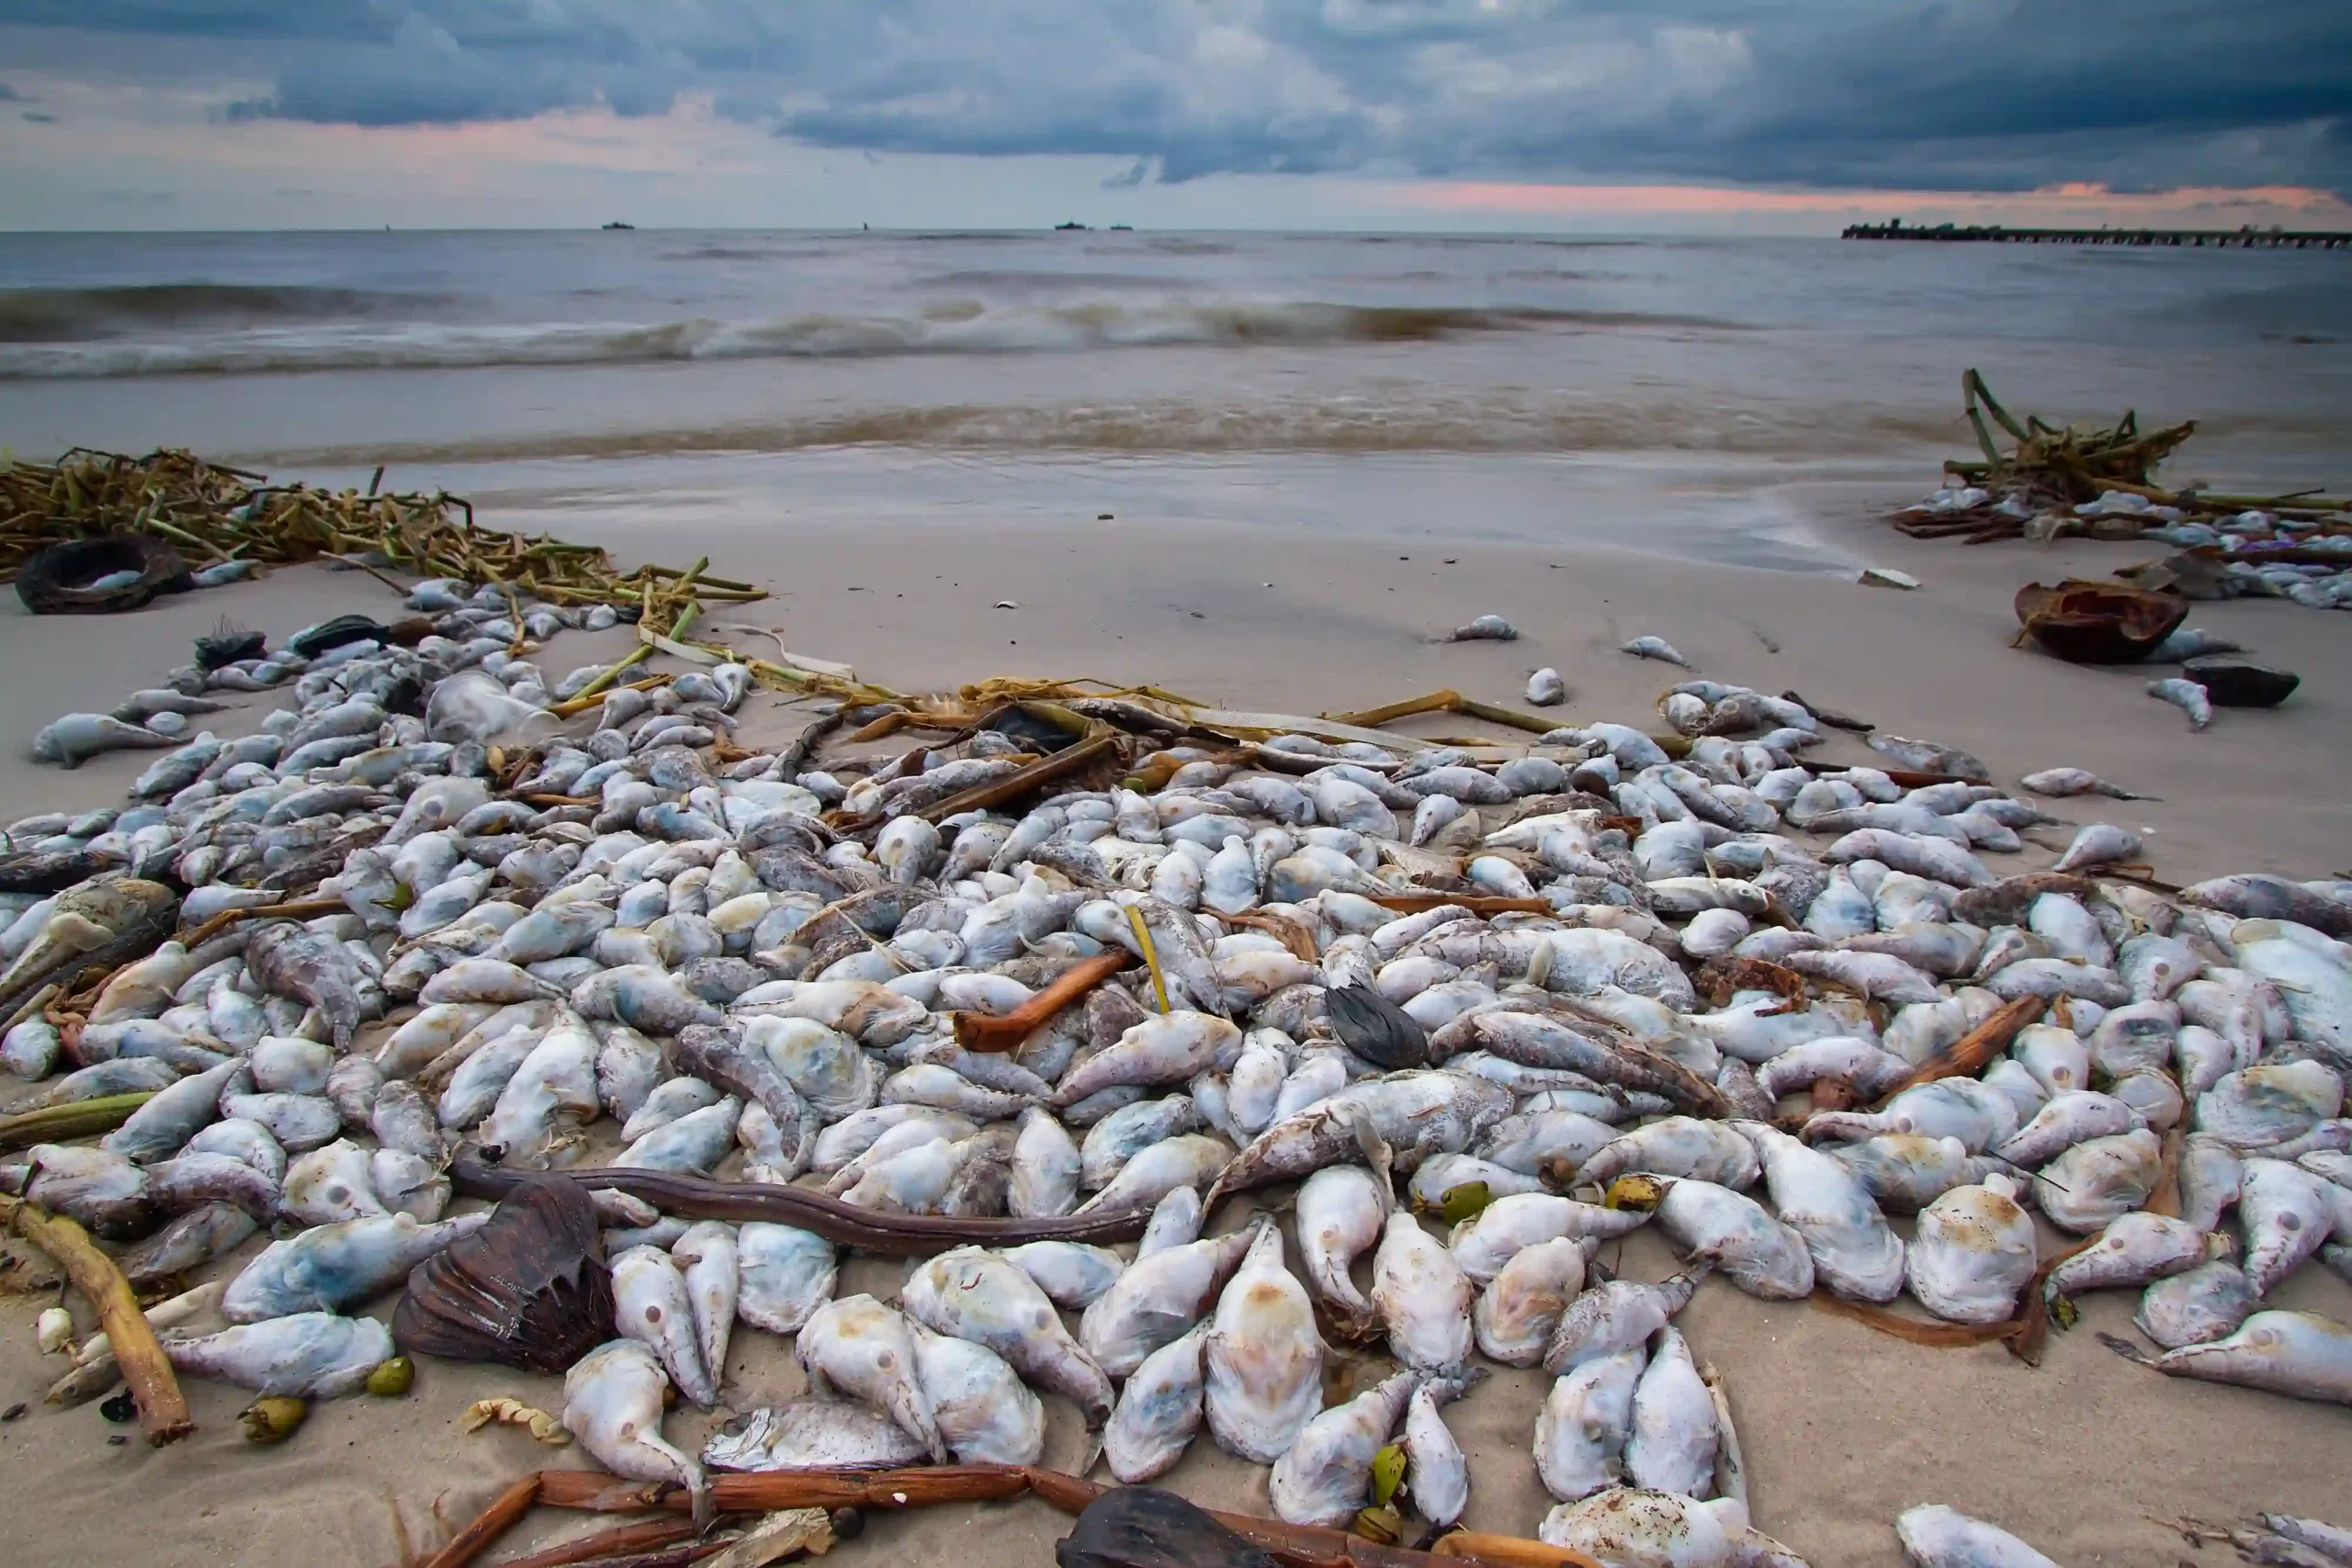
<point>1416,1114</point>
<point>159,1127</point>
<point>2196,1305</point>
<point>985,1412</point>
<point>1545,689</point>
<point>1936,1536</point>
<point>975,1295</point>
<point>1671,1443</point>
<point>866,1349</point>
<point>2299,1354</point>
<point>291,961</point>
<point>1973,1251</point>
<point>2187,696</point>
<point>1436,1472</point>
<point>331,1266</point>
<point>1325,1476</point>
<point>1159,1409</point>
<point>1263,1357</point>
<point>1655,648</point>
<point>2101,843</point>
<point>308,1355</point>
<point>1175,1220</point>
<point>782,1275</point>
<point>1045,1165</point>
<point>706,1255</point>
<point>1853,1251</point>
<point>75,738</point>
<point>1168,1049</point>
<point>1676,1146</point>
<point>1927,756</point>
<point>1485,1242</point>
<point>1484,628</point>
<point>1521,1307</point>
<point>2098,1180</point>
<point>1616,1316</point>
<point>1073,1275</point>
<point>1587,1415</point>
<point>1715,1226</point>
<point>2133,1249</point>
<point>2286,1214</point>
<point>194,1238</point>
<point>1191,1159</point>
<point>811,1434</point>
<point>2068,782</point>
<point>612,1403</point>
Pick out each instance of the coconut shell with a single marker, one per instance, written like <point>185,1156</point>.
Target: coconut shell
<point>1142,1527</point>
<point>2098,623</point>
<point>525,1290</point>
<point>2234,683</point>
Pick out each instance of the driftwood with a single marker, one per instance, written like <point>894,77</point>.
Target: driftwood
<point>889,1491</point>
<point>162,1412</point>
<point>1972,1050</point>
<point>897,1236</point>
<point>74,1118</point>
<point>978,1032</point>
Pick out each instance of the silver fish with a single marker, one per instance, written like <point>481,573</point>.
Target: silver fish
<point>1159,1409</point>
<point>1263,1357</point>
<point>1325,1476</point>
<point>308,1355</point>
<point>2299,1354</point>
<point>978,1296</point>
<point>986,1412</point>
<point>811,1434</point>
<point>865,1349</point>
<point>612,1403</point>
<point>1587,1416</point>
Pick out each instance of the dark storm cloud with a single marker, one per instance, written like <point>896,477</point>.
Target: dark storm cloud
<point>1936,93</point>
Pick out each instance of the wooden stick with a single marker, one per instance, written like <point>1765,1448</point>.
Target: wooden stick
<point>1973,1050</point>
<point>1415,903</point>
<point>646,1537</point>
<point>75,1119</point>
<point>1446,701</point>
<point>162,1412</point>
<point>303,909</point>
<point>766,1491</point>
<point>489,1525</point>
<point>1514,1550</point>
<point>978,1031</point>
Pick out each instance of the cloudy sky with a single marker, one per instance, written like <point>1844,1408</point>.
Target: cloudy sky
<point>1789,114</point>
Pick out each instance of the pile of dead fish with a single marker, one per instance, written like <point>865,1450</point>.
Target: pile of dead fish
<point>680,968</point>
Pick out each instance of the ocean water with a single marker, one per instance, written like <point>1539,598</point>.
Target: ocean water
<point>1689,396</point>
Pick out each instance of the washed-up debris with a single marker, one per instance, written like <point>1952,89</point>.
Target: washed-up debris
<point>2098,623</point>
<point>1886,577</point>
<point>2234,683</point>
<point>1484,628</point>
<point>100,574</point>
<point>218,517</point>
<point>2057,483</point>
<point>1069,970</point>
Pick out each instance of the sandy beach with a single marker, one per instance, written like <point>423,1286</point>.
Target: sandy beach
<point>2088,1458</point>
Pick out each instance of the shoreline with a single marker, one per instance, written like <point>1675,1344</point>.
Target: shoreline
<point>1841,1427</point>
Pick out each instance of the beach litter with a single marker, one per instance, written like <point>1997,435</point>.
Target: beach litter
<point>1058,971</point>
<point>2056,483</point>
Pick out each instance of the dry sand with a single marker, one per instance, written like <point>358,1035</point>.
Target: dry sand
<point>2084,1457</point>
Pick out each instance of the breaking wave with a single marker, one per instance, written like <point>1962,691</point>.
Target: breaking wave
<point>82,315</point>
<point>1178,427</point>
<point>967,327</point>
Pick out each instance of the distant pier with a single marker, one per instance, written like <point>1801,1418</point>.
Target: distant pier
<point>2222,239</point>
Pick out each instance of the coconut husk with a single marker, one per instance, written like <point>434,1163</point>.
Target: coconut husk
<point>2098,623</point>
<point>525,1290</point>
<point>1143,1526</point>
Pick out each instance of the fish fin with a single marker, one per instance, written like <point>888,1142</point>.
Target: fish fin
<point>1376,1154</point>
<point>2129,1351</point>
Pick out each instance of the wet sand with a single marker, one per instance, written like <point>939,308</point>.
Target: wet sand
<point>1842,1427</point>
